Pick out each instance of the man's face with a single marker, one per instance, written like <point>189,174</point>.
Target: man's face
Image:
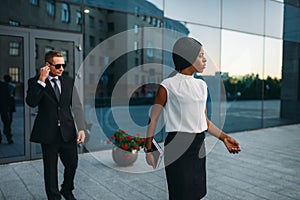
<point>53,70</point>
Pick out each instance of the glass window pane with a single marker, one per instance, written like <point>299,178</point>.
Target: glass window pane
<point>78,17</point>
<point>274,19</point>
<point>51,7</point>
<point>272,82</point>
<point>242,53</point>
<point>12,124</point>
<point>48,15</point>
<point>149,8</point>
<point>273,58</point>
<point>242,61</point>
<point>34,2</point>
<point>293,2</point>
<point>199,11</point>
<point>65,13</point>
<point>291,23</point>
<point>243,15</point>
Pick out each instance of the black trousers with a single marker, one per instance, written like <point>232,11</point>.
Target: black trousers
<point>185,165</point>
<point>6,120</point>
<point>67,151</point>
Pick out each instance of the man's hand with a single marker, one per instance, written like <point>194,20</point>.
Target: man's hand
<point>232,145</point>
<point>44,73</point>
<point>80,137</point>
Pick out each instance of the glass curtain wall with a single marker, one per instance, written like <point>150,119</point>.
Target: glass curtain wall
<point>251,49</point>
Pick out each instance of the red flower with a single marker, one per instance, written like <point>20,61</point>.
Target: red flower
<point>138,134</point>
<point>139,140</point>
<point>135,147</point>
<point>123,131</point>
<point>124,146</point>
<point>128,137</point>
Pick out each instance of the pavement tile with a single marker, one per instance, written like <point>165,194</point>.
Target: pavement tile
<point>261,192</point>
<point>263,170</point>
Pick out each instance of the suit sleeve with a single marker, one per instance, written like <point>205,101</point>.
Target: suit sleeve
<point>35,92</point>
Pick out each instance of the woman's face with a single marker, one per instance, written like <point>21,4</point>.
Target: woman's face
<point>200,62</point>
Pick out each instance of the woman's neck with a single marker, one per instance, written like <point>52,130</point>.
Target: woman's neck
<point>188,71</point>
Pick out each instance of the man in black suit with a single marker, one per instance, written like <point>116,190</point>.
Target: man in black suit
<point>54,126</point>
<point>4,112</point>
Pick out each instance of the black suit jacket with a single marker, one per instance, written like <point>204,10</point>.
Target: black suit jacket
<point>4,97</point>
<point>50,111</point>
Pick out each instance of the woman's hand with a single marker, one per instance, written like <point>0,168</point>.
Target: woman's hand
<point>150,159</point>
<point>232,145</point>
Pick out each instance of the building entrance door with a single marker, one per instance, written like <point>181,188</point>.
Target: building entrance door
<point>21,57</point>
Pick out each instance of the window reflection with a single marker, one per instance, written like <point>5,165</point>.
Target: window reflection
<point>78,17</point>
<point>65,13</point>
<point>14,48</point>
<point>51,7</point>
<point>241,53</point>
<point>242,67</point>
<point>12,134</point>
<point>199,11</point>
<point>273,58</point>
<point>274,19</point>
<point>243,16</point>
<point>272,82</point>
<point>291,23</point>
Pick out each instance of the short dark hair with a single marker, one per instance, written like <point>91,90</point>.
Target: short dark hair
<point>52,53</point>
<point>185,52</point>
<point>7,78</point>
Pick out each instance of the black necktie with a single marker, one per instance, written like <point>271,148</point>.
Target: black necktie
<point>56,90</point>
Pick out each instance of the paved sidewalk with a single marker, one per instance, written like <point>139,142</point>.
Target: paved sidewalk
<point>267,168</point>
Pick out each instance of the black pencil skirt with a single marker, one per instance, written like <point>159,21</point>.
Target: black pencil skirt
<point>185,165</point>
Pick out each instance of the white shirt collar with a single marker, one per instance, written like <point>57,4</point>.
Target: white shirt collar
<point>50,77</point>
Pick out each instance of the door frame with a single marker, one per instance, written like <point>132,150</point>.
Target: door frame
<point>54,35</point>
<point>29,37</point>
<point>17,32</point>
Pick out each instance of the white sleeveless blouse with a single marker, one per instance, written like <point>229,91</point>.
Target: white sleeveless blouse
<point>186,103</point>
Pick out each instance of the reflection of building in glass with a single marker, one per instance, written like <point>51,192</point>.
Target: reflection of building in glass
<point>102,23</point>
<point>101,20</point>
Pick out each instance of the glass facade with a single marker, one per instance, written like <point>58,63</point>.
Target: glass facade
<point>124,50</point>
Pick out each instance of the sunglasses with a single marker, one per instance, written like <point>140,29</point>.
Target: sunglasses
<point>58,66</point>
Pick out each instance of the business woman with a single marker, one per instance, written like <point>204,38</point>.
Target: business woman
<point>54,126</point>
<point>183,99</point>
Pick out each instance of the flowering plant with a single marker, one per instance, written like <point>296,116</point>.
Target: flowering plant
<point>127,142</point>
